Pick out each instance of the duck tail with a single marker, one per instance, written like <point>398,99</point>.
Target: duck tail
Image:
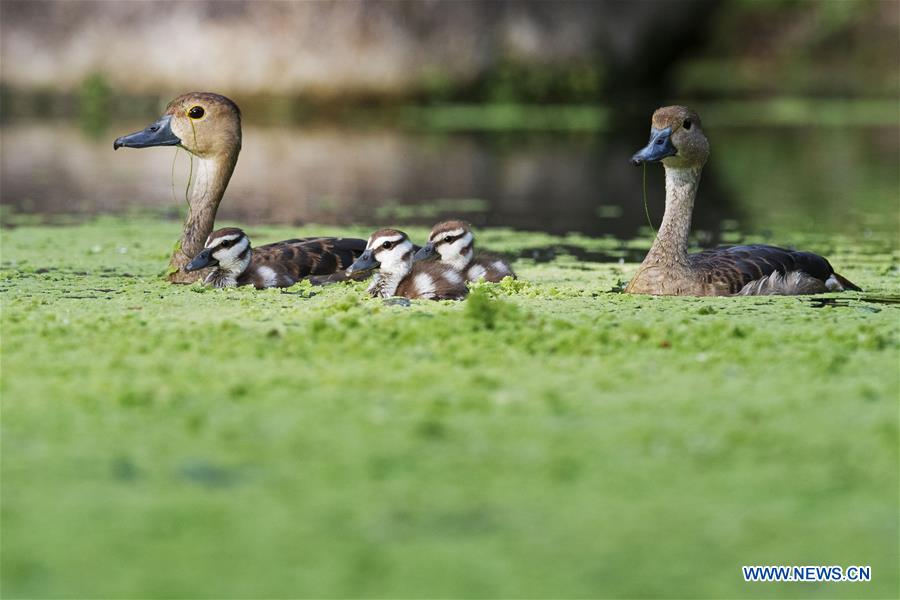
<point>846,284</point>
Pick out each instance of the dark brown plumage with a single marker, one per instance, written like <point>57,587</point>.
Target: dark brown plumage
<point>733,268</point>
<point>280,264</point>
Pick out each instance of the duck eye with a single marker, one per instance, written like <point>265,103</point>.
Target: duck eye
<point>196,112</point>
<point>686,124</point>
<point>387,245</point>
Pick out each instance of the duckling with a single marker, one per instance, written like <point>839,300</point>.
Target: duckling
<point>208,126</point>
<point>454,242</point>
<point>281,264</point>
<point>398,275</point>
<point>677,140</point>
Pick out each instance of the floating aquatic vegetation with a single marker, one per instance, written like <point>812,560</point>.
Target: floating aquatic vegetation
<point>343,432</point>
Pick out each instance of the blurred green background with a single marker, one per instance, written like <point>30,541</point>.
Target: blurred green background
<point>355,110</point>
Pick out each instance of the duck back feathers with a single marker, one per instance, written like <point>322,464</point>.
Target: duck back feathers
<point>234,263</point>
<point>767,270</point>
<point>283,264</point>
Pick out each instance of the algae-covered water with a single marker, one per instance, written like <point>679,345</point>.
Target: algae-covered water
<point>547,437</point>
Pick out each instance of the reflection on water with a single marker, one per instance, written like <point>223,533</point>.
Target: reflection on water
<point>757,179</point>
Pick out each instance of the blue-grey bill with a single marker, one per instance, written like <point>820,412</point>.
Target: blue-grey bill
<point>659,147</point>
<point>156,134</point>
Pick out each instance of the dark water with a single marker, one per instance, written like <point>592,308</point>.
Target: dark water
<point>758,179</point>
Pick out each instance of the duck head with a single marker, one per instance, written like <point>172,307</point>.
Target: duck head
<point>676,139</point>
<point>389,249</point>
<point>208,126</point>
<point>228,249</point>
<point>453,241</point>
<point>205,124</point>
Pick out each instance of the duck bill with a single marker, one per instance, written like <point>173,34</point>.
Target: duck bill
<point>365,262</point>
<point>425,252</point>
<point>156,134</point>
<point>201,261</point>
<point>659,147</point>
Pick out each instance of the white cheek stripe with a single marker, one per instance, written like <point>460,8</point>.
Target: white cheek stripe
<point>212,243</point>
<point>453,233</point>
<point>226,256</point>
<point>376,243</point>
<point>393,255</point>
<point>456,248</point>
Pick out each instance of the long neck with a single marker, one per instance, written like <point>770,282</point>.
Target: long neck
<point>211,176</point>
<point>670,246</point>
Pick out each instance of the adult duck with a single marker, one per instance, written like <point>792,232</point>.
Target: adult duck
<point>677,140</point>
<point>209,127</point>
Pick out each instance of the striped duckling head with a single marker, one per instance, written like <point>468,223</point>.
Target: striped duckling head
<point>389,249</point>
<point>228,252</point>
<point>453,242</point>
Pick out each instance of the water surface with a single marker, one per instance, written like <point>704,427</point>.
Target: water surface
<point>759,179</point>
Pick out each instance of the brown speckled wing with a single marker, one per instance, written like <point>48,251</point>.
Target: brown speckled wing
<point>733,267</point>
<point>292,260</point>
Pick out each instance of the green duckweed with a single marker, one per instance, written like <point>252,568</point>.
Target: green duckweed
<point>547,437</point>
